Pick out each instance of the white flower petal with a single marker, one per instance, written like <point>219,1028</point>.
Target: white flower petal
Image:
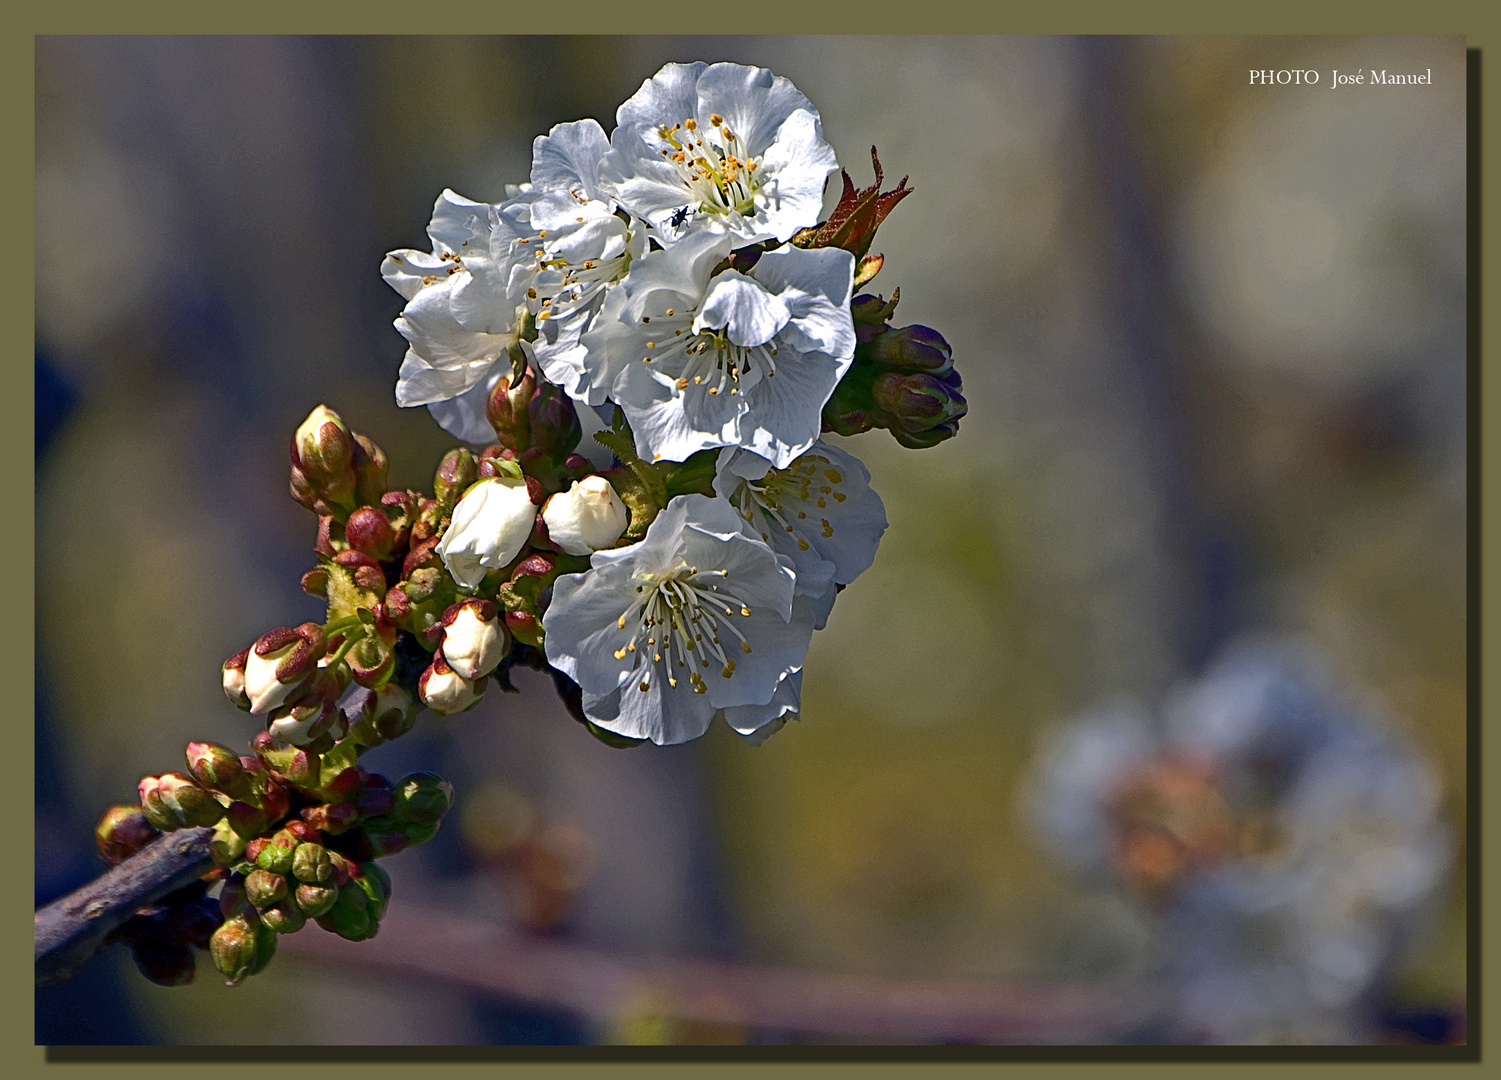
<point>567,159</point>
<point>742,308</point>
<point>784,414</point>
<point>463,415</point>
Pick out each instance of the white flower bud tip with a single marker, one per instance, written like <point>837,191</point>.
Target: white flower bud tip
<point>473,645</point>
<point>587,517</point>
<point>445,691</point>
<point>263,688</point>
<point>489,527</point>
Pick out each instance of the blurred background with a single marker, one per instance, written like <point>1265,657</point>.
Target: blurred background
<point>1212,336</point>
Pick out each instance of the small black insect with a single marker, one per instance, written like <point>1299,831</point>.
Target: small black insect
<point>679,216</point>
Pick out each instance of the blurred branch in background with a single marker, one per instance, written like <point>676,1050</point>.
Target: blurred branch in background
<point>1196,613</point>
<point>480,955</point>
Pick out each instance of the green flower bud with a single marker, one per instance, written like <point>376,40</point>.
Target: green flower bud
<point>920,410</point>
<point>350,915</point>
<point>376,885</point>
<point>174,801</point>
<point>420,832</point>
<point>284,918</point>
<point>311,864</point>
<point>315,900</point>
<point>422,797</point>
<point>369,531</point>
<point>323,451</point>
<point>278,855</point>
<point>242,947</point>
<point>555,427</point>
<point>507,410</point>
<point>121,832</point>
<point>387,713</point>
<point>455,473</point>
<point>264,888</point>
<point>910,349</point>
<point>218,767</point>
<point>370,469</point>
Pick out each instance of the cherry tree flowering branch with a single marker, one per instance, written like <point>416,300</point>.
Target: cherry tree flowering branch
<point>672,281</point>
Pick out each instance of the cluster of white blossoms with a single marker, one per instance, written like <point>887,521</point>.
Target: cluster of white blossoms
<point>647,274</point>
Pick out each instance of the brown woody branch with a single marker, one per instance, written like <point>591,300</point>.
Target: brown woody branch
<point>70,930</point>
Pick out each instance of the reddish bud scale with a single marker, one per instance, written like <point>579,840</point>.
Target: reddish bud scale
<point>275,801</point>
<point>424,555</point>
<point>370,470</point>
<point>324,545</point>
<point>535,565</point>
<point>347,783</point>
<point>315,582</point>
<point>524,627</point>
<point>255,847</point>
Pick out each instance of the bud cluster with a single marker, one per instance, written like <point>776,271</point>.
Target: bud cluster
<point>903,379</point>
<point>297,830</point>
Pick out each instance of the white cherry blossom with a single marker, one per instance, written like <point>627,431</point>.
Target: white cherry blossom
<point>820,512</point>
<point>695,618</point>
<point>585,518</point>
<point>699,359</point>
<point>725,147</point>
<point>465,302</point>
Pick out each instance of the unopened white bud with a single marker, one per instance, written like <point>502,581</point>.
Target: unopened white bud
<point>472,643</point>
<point>587,517</point>
<point>489,527</point>
<point>444,690</point>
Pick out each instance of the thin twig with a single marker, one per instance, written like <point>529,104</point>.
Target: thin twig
<point>483,956</point>
<point>70,930</point>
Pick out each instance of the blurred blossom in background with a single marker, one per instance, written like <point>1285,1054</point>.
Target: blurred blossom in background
<point>1213,341</point>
